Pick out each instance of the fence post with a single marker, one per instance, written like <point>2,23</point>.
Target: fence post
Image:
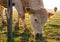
<point>9,20</point>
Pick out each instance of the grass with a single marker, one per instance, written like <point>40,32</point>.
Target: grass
<point>51,29</point>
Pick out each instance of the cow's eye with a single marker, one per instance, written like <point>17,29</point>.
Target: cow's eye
<point>35,20</point>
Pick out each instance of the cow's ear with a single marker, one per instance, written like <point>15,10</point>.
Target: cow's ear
<point>28,9</point>
<point>50,14</point>
<point>31,11</point>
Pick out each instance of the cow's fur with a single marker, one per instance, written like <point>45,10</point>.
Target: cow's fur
<point>37,12</point>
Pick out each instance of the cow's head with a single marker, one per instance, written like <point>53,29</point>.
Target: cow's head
<point>38,19</point>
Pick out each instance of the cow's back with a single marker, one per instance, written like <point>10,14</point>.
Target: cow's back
<point>25,3</point>
<point>36,4</point>
<point>32,4</point>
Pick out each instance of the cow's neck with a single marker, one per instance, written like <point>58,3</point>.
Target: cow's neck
<point>36,4</point>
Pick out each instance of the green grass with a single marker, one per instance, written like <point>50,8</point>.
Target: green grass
<point>51,29</point>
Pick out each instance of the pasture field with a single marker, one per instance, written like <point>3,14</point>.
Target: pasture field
<point>51,29</point>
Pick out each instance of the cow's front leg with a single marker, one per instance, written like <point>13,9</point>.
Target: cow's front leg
<point>21,13</point>
<point>24,23</point>
<point>17,23</point>
<point>19,8</point>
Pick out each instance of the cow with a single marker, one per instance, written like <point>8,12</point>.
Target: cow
<point>55,9</point>
<point>38,14</point>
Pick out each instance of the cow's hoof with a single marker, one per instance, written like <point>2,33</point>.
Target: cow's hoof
<point>4,23</point>
<point>26,30</point>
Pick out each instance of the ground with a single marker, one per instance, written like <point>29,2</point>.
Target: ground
<point>51,29</point>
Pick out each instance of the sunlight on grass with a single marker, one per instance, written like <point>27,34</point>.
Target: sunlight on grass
<point>51,29</point>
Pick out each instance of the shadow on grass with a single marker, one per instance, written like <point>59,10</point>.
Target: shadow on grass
<point>25,36</point>
<point>54,25</point>
<point>2,27</point>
